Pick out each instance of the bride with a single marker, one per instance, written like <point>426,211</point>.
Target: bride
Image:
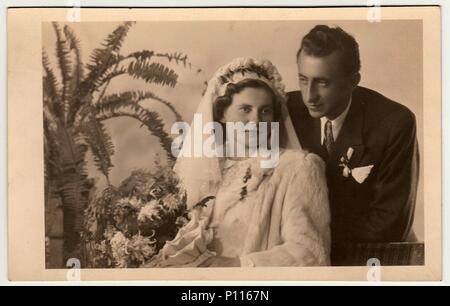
<point>260,216</point>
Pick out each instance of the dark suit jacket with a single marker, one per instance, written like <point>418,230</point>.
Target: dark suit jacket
<point>382,133</point>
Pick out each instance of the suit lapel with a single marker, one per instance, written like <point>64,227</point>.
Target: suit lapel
<point>312,134</point>
<point>351,134</point>
<point>317,144</point>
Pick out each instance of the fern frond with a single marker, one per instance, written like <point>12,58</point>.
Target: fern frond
<point>141,55</point>
<point>65,66</point>
<point>116,38</point>
<point>50,119</point>
<point>108,76</point>
<point>105,58</point>
<point>100,143</point>
<point>78,72</point>
<point>51,88</point>
<point>148,118</point>
<point>120,99</point>
<point>153,73</point>
<point>139,58</point>
<point>74,46</point>
<point>177,57</point>
<point>178,116</point>
<point>133,97</point>
<point>114,100</point>
<point>52,154</point>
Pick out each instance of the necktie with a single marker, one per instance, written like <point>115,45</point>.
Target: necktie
<point>328,139</point>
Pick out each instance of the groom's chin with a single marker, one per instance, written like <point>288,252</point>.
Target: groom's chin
<point>314,114</point>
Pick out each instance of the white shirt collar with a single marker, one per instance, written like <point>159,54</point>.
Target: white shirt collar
<point>336,123</point>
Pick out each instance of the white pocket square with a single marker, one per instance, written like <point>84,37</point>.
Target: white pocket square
<point>361,173</point>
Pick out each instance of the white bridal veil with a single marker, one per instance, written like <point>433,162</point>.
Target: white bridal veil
<point>201,175</point>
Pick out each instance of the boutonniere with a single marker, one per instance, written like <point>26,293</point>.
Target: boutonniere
<point>360,174</point>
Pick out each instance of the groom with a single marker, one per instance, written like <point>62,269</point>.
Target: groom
<point>367,141</point>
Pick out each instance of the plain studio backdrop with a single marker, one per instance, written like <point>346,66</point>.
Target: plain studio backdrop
<point>391,57</point>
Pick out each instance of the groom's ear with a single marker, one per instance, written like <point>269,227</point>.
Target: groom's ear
<point>356,78</point>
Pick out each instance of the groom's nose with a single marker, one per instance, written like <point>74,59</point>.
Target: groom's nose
<point>311,94</point>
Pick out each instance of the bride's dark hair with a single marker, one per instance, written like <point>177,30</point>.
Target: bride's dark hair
<point>223,102</point>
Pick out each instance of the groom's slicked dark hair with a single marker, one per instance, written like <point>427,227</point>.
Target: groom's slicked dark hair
<point>323,40</point>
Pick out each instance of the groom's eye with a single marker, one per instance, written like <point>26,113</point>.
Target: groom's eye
<point>303,81</point>
<point>323,83</point>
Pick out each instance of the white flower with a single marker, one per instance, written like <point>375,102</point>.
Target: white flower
<point>243,62</point>
<point>119,247</point>
<point>149,212</point>
<point>118,240</point>
<point>133,201</point>
<point>142,247</point>
<point>171,202</point>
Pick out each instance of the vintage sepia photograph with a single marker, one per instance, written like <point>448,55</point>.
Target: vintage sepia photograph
<point>235,142</point>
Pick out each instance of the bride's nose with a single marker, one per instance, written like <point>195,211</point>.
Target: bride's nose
<point>254,117</point>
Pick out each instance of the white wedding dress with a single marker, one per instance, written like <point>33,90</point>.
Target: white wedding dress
<point>282,218</point>
<point>231,215</point>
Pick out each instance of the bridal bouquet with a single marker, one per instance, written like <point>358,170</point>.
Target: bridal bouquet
<point>144,221</point>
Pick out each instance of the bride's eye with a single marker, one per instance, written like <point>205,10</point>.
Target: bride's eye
<point>266,111</point>
<point>246,109</point>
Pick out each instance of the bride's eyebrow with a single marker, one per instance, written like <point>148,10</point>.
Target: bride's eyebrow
<point>244,104</point>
